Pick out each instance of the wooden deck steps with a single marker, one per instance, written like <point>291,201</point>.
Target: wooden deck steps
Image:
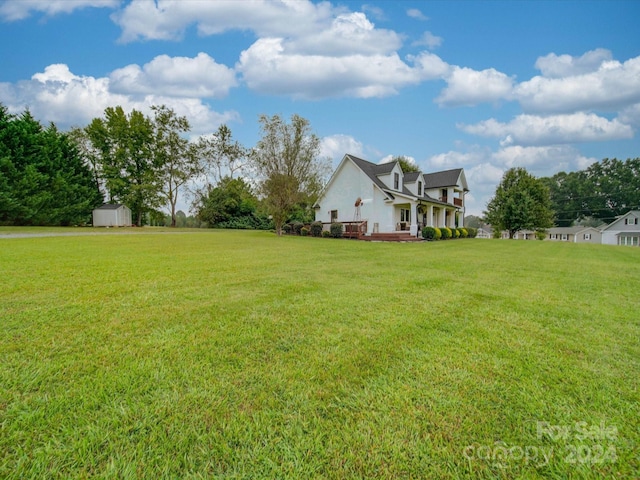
<point>391,237</point>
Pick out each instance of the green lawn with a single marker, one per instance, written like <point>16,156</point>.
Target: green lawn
<point>242,355</point>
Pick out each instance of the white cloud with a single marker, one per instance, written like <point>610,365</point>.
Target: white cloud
<point>631,115</point>
<point>417,14</point>
<point>349,34</point>
<point>612,86</point>
<point>466,86</point>
<point>558,66</point>
<point>336,146</point>
<point>552,130</point>
<point>13,10</point>
<point>267,67</point>
<point>175,76</point>
<point>428,40</point>
<point>58,95</point>
<point>484,167</point>
<point>168,19</point>
<point>542,161</point>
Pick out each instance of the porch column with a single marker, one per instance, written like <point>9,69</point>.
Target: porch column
<point>452,219</point>
<point>430,216</point>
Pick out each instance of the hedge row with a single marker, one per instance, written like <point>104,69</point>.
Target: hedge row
<point>444,233</point>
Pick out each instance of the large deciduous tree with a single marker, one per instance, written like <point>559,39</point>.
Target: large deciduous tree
<point>221,156</point>
<point>614,186</point>
<point>286,161</point>
<point>175,159</point>
<point>521,202</point>
<point>124,146</point>
<point>603,191</point>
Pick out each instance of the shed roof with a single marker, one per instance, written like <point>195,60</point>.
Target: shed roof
<point>110,206</point>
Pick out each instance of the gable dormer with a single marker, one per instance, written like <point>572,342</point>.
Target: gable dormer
<point>391,175</point>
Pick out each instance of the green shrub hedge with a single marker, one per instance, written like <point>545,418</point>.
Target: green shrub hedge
<point>429,233</point>
<point>446,233</point>
<point>316,229</point>
<point>304,231</point>
<point>326,234</point>
<point>336,230</point>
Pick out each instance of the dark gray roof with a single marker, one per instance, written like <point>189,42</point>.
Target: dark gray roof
<point>446,178</point>
<point>372,170</point>
<point>110,206</point>
<point>411,177</point>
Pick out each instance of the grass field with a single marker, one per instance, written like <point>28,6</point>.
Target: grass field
<point>236,354</point>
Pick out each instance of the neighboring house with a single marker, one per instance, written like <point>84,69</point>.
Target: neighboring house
<point>485,232</point>
<point>625,230</point>
<point>575,234</point>
<point>381,198</point>
<point>112,215</point>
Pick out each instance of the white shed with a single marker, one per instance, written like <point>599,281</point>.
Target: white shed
<point>112,215</point>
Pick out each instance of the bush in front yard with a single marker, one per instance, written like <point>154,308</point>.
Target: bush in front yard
<point>336,230</point>
<point>316,229</point>
<point>286,228</point>
<point>446,233</point>
<point>463,232</point>
<point>455,233</point>
<point>472,232</point>
<point>326,234</point>
<point>429,233</point>
<point>438,233</point>
<point>297,226</point>
<point>304,231</point>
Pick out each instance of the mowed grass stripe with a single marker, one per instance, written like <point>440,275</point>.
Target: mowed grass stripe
<point>243,355</point>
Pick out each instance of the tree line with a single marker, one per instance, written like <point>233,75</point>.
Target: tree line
<point>592,196</point>
<point>48,177</point>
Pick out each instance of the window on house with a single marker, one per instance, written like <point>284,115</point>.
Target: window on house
<point>419,189</point>
<point>564,236</point>
<point>396,181</point>
<point>405,215</point>
<point>334,216</point>
<point>631,221</point>
<point>587,236</point>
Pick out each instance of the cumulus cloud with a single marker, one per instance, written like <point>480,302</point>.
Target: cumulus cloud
<point>613,85</point>
<point>466,86</point>
<point>21,9</point>
<point>336,146</point>
<point>348,34</point>
<point>558,66</point>
<point>485,167</point>
<point>58,95</point>
<point>542,161</point>
<point>199,77</point>
<point>168,19</point>
<point>551,130</point>
<point>267,67</point>
<point>428,40</point>
<point>417,14</point>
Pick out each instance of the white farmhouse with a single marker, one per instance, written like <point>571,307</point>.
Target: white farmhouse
<point>625,230</point>
<point>382,199</point>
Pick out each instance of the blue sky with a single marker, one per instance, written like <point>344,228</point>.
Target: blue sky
<point>483,85</point>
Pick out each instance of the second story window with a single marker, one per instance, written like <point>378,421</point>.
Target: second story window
<point>419,189</point>
<point>396,181</point>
